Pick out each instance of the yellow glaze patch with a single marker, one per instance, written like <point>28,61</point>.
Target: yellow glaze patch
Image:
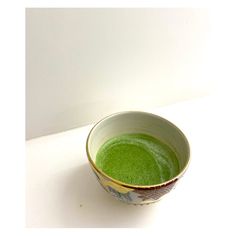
<point>115,186</point>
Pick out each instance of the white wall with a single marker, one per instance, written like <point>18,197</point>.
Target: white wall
<point>82,64</point>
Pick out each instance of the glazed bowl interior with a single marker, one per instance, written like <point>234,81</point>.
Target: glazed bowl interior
<point>139,122</point>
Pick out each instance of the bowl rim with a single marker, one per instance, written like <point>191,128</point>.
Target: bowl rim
<point>133,186</point>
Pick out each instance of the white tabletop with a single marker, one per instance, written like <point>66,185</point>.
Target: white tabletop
<point>62,191</point>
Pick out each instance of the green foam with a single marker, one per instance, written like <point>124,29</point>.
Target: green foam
<point>137,159</point>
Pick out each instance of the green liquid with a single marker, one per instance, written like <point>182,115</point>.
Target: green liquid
<point>137,159</point>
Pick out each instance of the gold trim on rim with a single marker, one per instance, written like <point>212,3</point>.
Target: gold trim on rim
<point>131,185</point>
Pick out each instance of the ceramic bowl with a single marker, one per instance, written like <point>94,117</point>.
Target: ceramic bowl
<point>137,122</point>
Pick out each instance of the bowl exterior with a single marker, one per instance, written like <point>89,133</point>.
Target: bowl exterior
<point>133,195</point>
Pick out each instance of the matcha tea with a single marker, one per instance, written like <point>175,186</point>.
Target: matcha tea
<point>137,159</point>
